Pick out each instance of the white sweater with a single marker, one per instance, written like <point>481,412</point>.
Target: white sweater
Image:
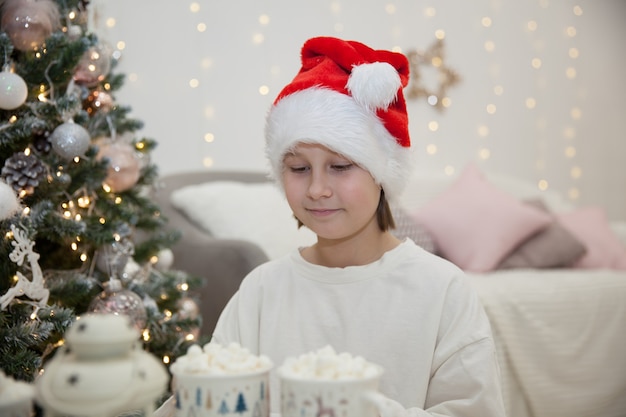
<point>411,312</point>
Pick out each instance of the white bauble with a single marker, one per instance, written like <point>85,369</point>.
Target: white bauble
<point>9,203</point>
<point>13,90</point>
<point>165,259</point>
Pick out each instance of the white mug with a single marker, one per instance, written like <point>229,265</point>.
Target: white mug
<point>223,395</point>
<point>328,397</point>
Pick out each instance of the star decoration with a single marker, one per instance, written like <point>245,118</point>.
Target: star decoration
<point>446,77</point>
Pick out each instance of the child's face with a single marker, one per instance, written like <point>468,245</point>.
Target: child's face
<point>328,193</point>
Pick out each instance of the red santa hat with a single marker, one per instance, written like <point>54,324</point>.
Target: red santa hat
<point>347,97</point>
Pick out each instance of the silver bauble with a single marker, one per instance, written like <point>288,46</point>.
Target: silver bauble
<point>117,300</point>
<point>70,140</point>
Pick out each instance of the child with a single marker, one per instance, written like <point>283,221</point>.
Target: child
<point>338,143</point>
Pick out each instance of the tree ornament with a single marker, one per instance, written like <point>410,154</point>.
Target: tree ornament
<point>112,259</point>
<point>189,309</point>
<point>94,66</point>
<point>23,172</point>
<point>117,300</point>
<point>29,23</point>
<point>98,101</point>
<point>33,289</point>
<point>41,142</point>
<point>13,89</point>
<point>74,32</point>
<point>124,167</point>
<point>9,204</point>
<point>165,259</point>
<point>70,140</point>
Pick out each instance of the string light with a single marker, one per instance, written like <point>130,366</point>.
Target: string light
<point>541,68</point>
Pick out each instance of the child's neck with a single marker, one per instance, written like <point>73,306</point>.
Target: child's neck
<point>349,252</point>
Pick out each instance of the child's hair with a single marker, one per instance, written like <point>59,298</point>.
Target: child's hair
<point>384,215</point>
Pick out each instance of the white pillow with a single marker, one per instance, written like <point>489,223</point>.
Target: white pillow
<point>256,212</point>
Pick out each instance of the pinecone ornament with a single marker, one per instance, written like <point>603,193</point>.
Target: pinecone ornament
<point>23,172</point>
<point>41,143</point>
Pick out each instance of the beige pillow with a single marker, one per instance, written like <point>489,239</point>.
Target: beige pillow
<point>552,247</point>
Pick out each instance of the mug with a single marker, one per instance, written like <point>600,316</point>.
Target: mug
<point>328,397</point>
<point>222,395</point>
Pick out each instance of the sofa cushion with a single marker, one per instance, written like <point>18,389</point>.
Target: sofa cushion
<point>553,247</point>
<point>591,226</point>
<point>256,212</point>
<point>407,227</point>
<point>475,224</point>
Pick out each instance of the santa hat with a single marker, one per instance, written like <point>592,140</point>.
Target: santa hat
<point>347,97</point>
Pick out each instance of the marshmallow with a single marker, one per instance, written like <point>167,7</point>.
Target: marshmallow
<point>215,359</point>
<point>326,364</point>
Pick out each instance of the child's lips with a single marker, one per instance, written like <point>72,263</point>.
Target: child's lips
<point>319,212</point>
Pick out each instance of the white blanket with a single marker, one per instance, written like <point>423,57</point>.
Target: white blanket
<point>561,338</point>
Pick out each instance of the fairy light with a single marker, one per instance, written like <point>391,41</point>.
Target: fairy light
<point>84,201</point>
<point>484,153</point>
<point>145,335</point>
<point>166,359</point>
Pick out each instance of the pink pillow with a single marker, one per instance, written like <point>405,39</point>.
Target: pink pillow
<point>590,225</point>
<point>475,225</point>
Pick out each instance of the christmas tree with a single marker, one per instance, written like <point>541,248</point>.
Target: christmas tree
<point>79,232</point>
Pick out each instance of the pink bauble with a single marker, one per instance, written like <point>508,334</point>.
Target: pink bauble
<point>124,169</point>
<point>94,66</point>
<point>29,23</point>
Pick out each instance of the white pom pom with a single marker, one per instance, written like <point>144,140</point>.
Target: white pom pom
<point>374,85</point>
<point>9,203</point>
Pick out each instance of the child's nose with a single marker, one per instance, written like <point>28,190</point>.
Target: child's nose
<point>319,186</point>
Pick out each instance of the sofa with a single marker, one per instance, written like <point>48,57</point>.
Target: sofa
<point>552,276</point>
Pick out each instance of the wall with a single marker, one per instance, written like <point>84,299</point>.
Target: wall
<point>541,95</point>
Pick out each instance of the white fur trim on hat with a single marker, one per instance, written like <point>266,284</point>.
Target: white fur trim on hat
<point>335,120</point>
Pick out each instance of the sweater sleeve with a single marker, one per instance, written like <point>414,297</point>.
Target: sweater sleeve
<point>465,378</point>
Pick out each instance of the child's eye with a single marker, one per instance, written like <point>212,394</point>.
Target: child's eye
<point>297,169</point>
<point>342,167</point>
